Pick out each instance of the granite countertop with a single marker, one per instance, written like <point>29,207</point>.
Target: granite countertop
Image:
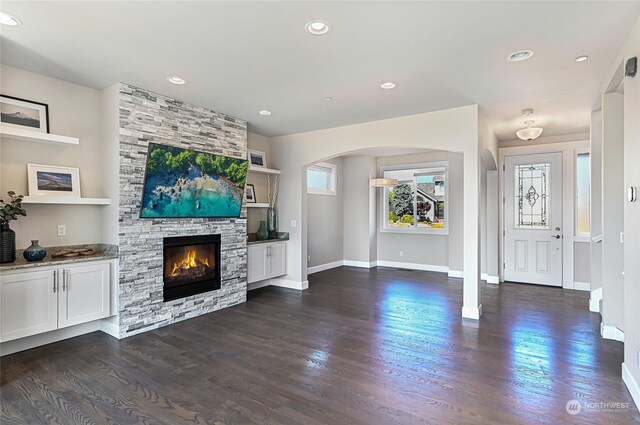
<point>282,236</point>
<point>103,252</point>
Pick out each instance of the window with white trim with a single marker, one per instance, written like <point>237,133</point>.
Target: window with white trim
<point>321,179</point>
<point>417,204</point>
<point>583,193</point>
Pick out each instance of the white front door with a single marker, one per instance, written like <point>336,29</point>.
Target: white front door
<point>533,219</point>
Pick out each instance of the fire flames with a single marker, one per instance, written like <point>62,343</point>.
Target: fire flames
<point>189,262</point>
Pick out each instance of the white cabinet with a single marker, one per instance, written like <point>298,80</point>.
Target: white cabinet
<point>266,260</point>
<point>85,294</point>
<point>37,301</point>
<point>28,304</point>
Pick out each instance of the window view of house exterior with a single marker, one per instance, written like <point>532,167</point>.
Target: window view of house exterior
<point>583,193</point>
<point>417,202</point>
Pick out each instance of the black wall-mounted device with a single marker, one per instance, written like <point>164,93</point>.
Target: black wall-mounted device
<point>631,67</point>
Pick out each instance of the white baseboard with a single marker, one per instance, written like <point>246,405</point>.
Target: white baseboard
<point>110,328</point>
<point>494,280</point>
<point>581,286</point>
<point>456,273</point>
<point>413,266</point>
<point>594,301</point>
<point>611,332</point>
<point>363,264</point>
<point>29,342</point>
<point>258,285</point>
<point>472,312</point>
<point>323,267</point>
<point>632,385</point>
<point>291,284</point>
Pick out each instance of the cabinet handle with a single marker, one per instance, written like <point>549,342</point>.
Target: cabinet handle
<point>64,280</point>
<point>55,280</point>
<point>268,250</point>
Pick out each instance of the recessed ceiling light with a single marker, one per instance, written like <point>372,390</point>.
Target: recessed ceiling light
<point>328,99</point>
<point>582,58</point>
<point>317,27</point>
<point>176,80</point>
<point>520,55</point>
<point>265,112</point>
<point>388,85</point>
<point>9,20</point>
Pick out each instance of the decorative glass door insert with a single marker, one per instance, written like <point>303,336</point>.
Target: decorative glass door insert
<point>532,187</point>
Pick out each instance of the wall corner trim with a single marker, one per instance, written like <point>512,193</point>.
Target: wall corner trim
<point>290,284</point>
<point>473,313</point>
<point>611,332</point>
<point>594,301</point>
<point>323,267</point>
<point>459,274</point>
<point>632,385</point>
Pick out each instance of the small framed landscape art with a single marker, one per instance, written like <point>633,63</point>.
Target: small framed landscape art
<point>250,194</point>
<point>51,180</point>
<point>257,159</point>
<point>24,114</point>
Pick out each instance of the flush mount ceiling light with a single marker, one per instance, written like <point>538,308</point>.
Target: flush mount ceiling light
<point>529,133</point>
<point>176,80</point>
<point>388,85</point>
<point>317,27</point>
<point>520,55</point>
<point>265,112</point>
<point>6,19</point>
<point>582,58</point>
<point>382,181</point>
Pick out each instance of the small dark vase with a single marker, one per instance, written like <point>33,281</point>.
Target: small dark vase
<point>262,234</point>
<point>35,252</point>
<point>7,244</point>
<point>272,223</point>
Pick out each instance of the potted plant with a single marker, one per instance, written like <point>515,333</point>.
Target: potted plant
<point>9,211</point>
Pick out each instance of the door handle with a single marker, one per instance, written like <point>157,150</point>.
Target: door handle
<point>55,280</point>
<point>555,236</point>
<point>64,280</point>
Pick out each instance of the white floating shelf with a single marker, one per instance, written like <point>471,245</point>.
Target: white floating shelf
<point>258,205</point>
<point>36,136</point>
<point>263,170</point>
<point>65,200</point>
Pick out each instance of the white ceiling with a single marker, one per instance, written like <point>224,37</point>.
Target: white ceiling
<point>241,57</point>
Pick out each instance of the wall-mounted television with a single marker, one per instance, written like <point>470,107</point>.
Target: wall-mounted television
<point>184,183</point>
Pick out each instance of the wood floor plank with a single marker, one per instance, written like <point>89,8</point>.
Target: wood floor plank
<point>359,347</point>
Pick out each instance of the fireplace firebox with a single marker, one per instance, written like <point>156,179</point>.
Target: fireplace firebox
<point>191,265</point>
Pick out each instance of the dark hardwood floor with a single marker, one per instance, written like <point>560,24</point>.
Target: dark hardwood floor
<point>379,346</point>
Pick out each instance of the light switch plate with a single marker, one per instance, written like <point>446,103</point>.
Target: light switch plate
<point>294,223</point>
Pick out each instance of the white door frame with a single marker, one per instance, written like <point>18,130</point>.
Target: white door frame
<point>568,150</point>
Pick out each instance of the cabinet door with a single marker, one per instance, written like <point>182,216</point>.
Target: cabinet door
<point>277,259</point>
<point>258,263</point>
<point>28,304</point>
<point>84,294</point>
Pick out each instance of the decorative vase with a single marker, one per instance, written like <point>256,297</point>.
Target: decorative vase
<point>7,244</point>
<point>262,233</point>
<point>272,223</point>
<point>35,252</point>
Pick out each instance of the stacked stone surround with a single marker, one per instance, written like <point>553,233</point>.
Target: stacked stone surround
<point>149,117</point>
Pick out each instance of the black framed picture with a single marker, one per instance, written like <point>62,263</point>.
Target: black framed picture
<point>24,114</point>
<point>250,194</point>
<point>257,159</point>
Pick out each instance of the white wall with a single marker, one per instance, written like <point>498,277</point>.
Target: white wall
<point>631,369</point>
<point>596,203</point>
<point>359,215</point>
<point>613,209</point>
<point>111,162</point>
<point>325,223</point>
<point>76,111</point>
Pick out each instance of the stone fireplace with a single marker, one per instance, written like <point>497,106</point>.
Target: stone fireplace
<point>148,298</point>
<point>191,265</point>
